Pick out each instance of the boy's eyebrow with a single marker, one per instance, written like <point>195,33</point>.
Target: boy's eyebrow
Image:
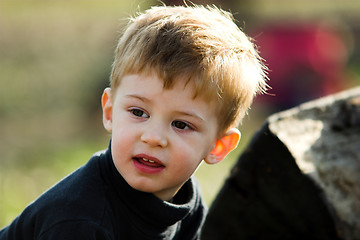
<point>190,114</point>
<point>145,99</point>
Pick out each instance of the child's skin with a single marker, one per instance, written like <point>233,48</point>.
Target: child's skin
<point>160,136</point>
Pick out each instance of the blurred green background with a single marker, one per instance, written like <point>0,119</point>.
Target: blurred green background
<point>55,59</point>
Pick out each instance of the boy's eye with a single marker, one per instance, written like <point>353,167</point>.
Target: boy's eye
<point>138,112</point>
<point>181,125</point>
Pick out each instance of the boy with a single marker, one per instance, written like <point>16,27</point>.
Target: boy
<point>182,79</point>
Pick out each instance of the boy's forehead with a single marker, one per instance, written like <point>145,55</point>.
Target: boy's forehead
<point>184,86</point>
<point>183,82</point>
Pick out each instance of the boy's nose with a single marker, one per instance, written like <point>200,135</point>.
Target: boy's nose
<point>155,136</point>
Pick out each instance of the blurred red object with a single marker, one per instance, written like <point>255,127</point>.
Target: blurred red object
<point>305,61</point>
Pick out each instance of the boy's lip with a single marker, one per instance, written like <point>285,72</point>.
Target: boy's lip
<point>147,164</point>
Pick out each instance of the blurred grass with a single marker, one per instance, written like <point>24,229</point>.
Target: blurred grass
<point>55,59</point>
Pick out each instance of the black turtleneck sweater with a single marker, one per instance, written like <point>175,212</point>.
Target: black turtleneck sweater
<point>95,202</point>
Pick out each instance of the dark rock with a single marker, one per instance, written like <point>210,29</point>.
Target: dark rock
<point>299,178</point>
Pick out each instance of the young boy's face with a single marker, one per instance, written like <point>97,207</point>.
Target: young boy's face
<point>159,136</point>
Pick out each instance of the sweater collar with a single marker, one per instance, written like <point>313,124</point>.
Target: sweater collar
<point>146,207</point>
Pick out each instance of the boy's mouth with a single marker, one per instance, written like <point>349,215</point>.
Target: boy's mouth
<point>147,164</point>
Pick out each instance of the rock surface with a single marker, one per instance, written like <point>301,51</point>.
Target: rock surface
<point>324,138</point>
<point>299,178</point>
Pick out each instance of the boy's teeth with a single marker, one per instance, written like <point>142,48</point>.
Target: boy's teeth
<point>147,160</point>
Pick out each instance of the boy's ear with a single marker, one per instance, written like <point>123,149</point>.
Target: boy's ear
<point>107,109</point>
<point>224,146</point>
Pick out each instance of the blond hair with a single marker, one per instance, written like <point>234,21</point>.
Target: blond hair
<point>202,44</point>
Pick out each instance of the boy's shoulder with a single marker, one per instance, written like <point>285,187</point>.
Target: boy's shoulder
<point>76,201</point>
<point>81,190</point>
